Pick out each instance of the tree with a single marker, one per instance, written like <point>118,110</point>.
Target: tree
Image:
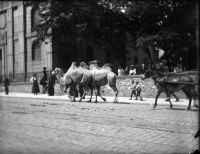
<point>107,22</point>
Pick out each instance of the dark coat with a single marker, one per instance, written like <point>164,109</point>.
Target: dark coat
<point>35,87</point>
<point>43,81</point>
<point>51,84</point>
<point>6,82</point>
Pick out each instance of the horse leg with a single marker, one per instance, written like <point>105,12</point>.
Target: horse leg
<point>177,99</point>
<point>189,96</point>
<point>157,95</point>
<point>116,94</point>
<point>168,97</point>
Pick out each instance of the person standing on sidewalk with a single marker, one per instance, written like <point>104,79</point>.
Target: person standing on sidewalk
<point>138,91</point>
<point>35,87</point>
<point>6,84</point>
<point>51,83</point>
<point>43,81</point>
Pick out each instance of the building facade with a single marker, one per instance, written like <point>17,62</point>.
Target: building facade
<point>20,53</point>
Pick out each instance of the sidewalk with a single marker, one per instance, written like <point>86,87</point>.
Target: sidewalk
<point>121,100</point>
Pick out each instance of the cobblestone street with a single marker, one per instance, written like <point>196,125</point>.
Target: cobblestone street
<point>73,127</point>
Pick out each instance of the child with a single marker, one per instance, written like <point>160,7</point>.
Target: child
<point>138,91</point>
<point>133,89</point>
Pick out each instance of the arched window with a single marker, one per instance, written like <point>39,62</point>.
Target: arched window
<point>36,50</point>
<point>35,18</point>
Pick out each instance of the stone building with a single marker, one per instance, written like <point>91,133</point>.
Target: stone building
<point>20,54</point>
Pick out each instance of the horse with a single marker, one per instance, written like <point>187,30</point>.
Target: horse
<point>102,76</point>
<point>173,82</point>
<point>75,77</point>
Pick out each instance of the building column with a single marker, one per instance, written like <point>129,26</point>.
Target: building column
<point>9,42</point>
<point>21,38</point>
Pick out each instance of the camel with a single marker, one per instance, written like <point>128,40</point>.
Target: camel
<point>75,77</point>
<point>102,76</point>
<point>174,82</point>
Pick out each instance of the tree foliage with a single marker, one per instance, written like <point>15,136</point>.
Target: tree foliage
<point>148,22</point>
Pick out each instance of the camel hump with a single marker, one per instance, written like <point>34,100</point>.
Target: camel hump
<point>107,66</point>
<point>84,65</point>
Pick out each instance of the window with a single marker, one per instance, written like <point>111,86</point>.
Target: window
<point>35,18</point>
<point>36,50</point>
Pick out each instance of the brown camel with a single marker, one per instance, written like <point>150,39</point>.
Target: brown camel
<point>102,76</point>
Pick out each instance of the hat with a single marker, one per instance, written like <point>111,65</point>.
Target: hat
<point>44,68</point>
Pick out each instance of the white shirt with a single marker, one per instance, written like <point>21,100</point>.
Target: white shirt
<point>132,72</point>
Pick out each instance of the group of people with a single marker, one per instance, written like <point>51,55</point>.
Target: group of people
<point>47,84</point>
<point>131,70</point>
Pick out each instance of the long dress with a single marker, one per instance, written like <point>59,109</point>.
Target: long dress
<point>35,87</point>
<point>51,84</point>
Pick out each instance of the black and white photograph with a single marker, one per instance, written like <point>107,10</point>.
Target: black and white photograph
<point>99,77</point>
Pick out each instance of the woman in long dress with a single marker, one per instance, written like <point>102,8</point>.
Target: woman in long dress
<point>35,87</point>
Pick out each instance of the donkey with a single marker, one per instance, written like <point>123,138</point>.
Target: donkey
<point>174,82</point>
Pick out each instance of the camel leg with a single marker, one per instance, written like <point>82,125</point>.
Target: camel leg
<point>98,93</point>
<point>96,96</point>
<point>79,92</point>
<point>116,94</point>
<point>157,96</point>
<point>189,96</point>
<point>74,93</point>
<point>90,95</point>
<point>83,95</point>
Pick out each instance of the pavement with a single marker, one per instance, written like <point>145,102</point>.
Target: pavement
<point>61,98</point>
<point>37,124</point>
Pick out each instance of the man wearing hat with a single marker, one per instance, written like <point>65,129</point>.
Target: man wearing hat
<point>43,81</point>
<point>132,70</point>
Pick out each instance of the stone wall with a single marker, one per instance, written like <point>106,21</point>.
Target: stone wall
<point>123,84</point>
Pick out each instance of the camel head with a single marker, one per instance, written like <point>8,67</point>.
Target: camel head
<point>58,71</point>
